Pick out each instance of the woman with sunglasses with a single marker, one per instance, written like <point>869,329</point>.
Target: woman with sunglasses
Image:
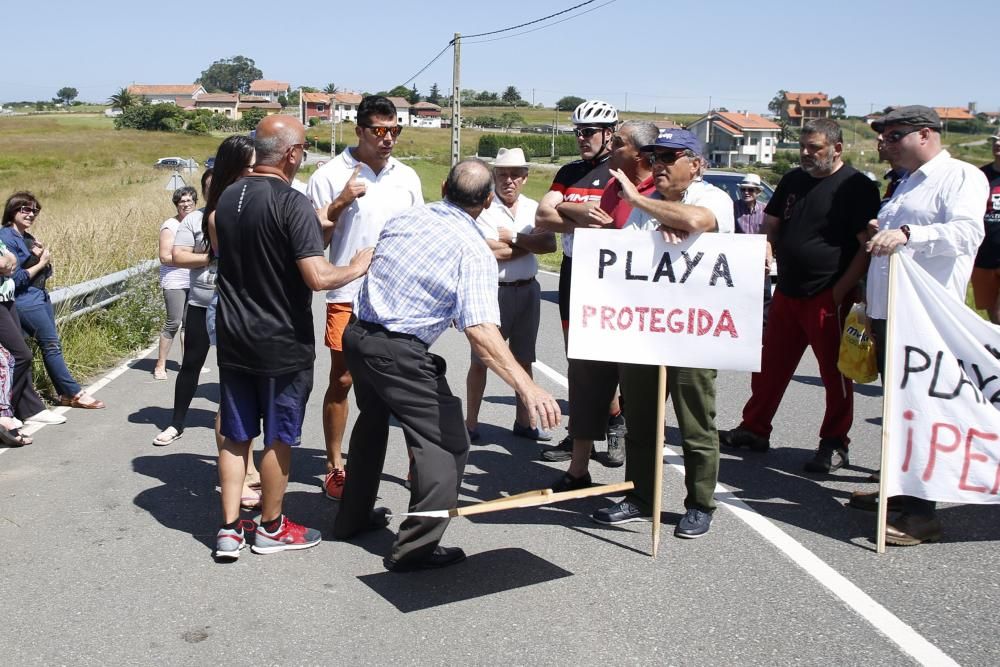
<point>34,309</point>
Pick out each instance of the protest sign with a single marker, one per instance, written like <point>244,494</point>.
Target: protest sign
<point>941,422</point>
<point>637,299</point>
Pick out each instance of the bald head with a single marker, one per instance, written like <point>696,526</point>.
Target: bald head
<point>469,184</point>
<point>275,135</point>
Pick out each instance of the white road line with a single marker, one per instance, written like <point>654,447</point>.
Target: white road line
<point>549,273</point>
<point>92,389</point>
<point>905,637</point>
<point>551,374</point>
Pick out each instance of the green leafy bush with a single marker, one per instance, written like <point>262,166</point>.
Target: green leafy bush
<point>533,146</point>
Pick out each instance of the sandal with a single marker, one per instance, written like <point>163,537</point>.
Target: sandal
<point>167,436</point>
<point>13,438</point>
<point>250,499</point>
<point>159,373</point>
<point>252,480</point>
<point>79,401</point>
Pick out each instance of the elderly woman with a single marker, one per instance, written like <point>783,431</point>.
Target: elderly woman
<point>174,280</point>
<point>34,315</point>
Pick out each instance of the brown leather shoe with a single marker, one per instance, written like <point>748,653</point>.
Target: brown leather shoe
<point>908,530</point>
<point>868,501</point>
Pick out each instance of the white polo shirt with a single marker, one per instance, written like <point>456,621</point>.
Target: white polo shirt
<point>390,192</point>
<point>498,215</point>
<point>699,193</point>
<point>943,202</point>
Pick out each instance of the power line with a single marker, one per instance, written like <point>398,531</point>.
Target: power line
<point>544,18</point>
<point>433,60</point>
<point>525,32</point>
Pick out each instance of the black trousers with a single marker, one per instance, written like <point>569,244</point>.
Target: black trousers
<point>394,375</point>
<point>195,352</point>
<point>23,398</point>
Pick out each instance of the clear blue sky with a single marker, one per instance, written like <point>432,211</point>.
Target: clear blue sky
<point>667,56</point>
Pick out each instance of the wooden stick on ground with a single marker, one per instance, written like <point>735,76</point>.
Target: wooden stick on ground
<point>527,499</point>
<point>661,399</point>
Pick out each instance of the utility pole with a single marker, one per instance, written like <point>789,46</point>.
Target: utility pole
<point>456,103</point>
<point>555,121</point>
<point>626,100</point>
<point>532,97</point>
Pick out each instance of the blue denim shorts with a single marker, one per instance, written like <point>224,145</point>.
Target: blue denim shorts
<point>280,402</point>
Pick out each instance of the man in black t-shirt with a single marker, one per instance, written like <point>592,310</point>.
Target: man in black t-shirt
<point>270,262</point>
<point>986,271</point>
<point>817,224</point>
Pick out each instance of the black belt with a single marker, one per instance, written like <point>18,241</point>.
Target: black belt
<point>371,327</point>
<point>517,283</point>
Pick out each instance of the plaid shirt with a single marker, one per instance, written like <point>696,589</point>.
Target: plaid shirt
<point>431,267</point>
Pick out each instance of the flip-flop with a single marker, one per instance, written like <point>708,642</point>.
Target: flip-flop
<point>13,438</point>
<point>167,436</point>
<point>75,402</point>
<point>159,374</point>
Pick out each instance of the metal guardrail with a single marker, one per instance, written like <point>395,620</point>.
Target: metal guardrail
<point>82,298</point>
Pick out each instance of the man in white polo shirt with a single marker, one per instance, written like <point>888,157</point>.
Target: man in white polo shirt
<point>509,227</point>
<point>357,191</point>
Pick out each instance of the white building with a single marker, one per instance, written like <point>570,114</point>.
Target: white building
<point>736,138</point>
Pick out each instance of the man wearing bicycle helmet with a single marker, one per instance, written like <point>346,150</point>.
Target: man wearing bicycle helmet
<point>576,189</point>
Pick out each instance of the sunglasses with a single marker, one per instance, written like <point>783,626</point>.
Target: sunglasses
<point>587,132</point>
<point>380,132</point>
<point>897,135</point>
<point>29,209</point>
<point>664,157</point>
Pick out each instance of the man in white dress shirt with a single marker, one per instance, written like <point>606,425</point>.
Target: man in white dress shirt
<point>935,214</point>
<point>509,228</point>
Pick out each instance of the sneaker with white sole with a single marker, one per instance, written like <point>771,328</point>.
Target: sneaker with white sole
<point>287,537</point>
<point>47,417</point>
<point>229,541</point>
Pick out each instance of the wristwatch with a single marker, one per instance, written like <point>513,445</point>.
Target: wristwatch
<point>906,231</point>
<point>513,238</point>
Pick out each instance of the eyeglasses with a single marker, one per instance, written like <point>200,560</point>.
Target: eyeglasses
<point>742,189</point>
<point>587,132</point>
<point>897,135</point>
<point>663,157</point>
<point>29,209</point>
<point>380,132</point>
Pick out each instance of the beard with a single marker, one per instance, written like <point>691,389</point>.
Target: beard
<point>819,165</point>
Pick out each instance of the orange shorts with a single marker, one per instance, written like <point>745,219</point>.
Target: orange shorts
<point>337,317</point>
<point>985,287</point>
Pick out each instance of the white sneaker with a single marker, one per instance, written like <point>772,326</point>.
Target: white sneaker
<point>47,417</point>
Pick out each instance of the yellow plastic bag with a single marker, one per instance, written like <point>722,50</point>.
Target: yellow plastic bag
<point>857,350</point>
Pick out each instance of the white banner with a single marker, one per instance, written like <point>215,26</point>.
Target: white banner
<point>637,299</point>
<point>943,396</point>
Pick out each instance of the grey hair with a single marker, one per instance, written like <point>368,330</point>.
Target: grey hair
<point>469,183</point>
<point>272,147</point>
<point>643,132</point>
<point>827,127</point>
<point>702,162</point>
<point>186,190</point>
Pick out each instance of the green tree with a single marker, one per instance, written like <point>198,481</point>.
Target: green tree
<point>398,91</point>
<point>509,119</point>
<point>283,101</point>
<point>838,107</point>
<point>251,117</point>
<point>66,94</point>
<point>123,99</point>
<point>413,95</point>
<point>511,95</point>
<point>777,103</point>
<point>434,97</point>
<point>152,117</point>
<point>569,103</point>
<point>331,89</point>
<point>487,96</point>
<point>230,75</point>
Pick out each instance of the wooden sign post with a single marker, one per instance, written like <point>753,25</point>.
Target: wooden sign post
<point>661,400</point>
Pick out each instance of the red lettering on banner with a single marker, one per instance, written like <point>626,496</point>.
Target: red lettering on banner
<point>963,482</point>
<point>655,319</point>
<point>908,415</point>
<point>704,322</point>
<point>623,321</point>
<point>607,312</point>
<point>641,311</point>
<point>690,319</point>
<point>674,325</point>
<point>588,312</point>
<point>935,446</point>
<point>726,324</point>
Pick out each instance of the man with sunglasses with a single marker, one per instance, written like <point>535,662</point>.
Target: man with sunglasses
<point>683,204</point>
<point>935,213</point>
<point>817,224</point>
<point>749,214</point>
<point>354,194</point>
<point>577,188</point>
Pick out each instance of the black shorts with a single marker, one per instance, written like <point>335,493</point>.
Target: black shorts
<point>565,276</point>
<point>592,386</point>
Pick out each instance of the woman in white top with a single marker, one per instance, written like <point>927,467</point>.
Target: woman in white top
<point>173,280</point>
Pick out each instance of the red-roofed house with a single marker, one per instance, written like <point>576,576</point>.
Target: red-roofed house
<point>954,113</point>
<point>314,105</point>
<point>181,94</point>
<point>269,89</point>
<point>425,114</point>
<point>801,107</point>
<point>345,106</point>
<point>232,105</point>
<point>402,110</point>
<point>736,138</point>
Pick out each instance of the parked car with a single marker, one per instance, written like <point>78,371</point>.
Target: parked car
<point>730,181</point>
<point>210,162</point>
<point>175,163</point>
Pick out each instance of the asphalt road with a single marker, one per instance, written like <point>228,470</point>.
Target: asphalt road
<point>107,545</point>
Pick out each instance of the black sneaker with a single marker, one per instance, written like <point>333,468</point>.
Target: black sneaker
<point>740,437</point>
<point>624,512</point>
<point>695,523</point>
<point>830,456</point>
<point>561,452</point>
<point>616,442</point>
<point>569,483</point>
